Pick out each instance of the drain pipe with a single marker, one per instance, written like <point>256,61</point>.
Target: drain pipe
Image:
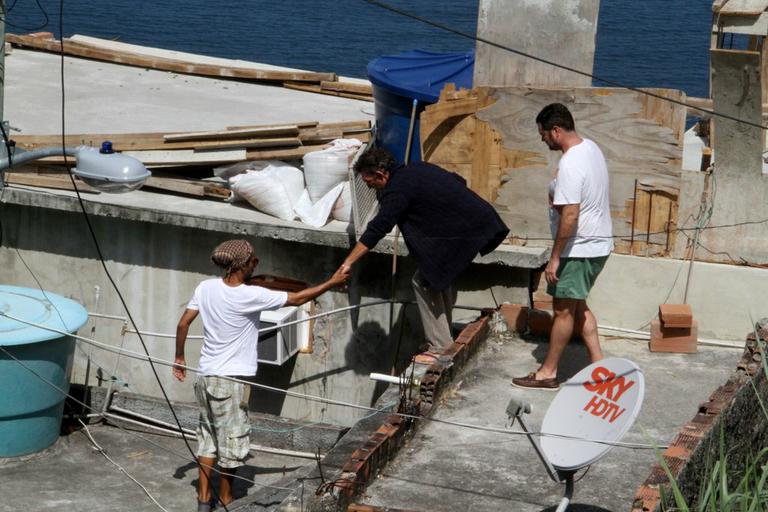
<point>169,428</point>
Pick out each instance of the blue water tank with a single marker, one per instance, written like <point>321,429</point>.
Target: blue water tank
<point>35,366</point>
<point>417,75</point>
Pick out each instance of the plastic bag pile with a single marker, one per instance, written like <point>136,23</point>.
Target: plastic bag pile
<point>313,196</point>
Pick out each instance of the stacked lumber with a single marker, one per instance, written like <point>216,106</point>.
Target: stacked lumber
<point>323,83</point>
<point>233,144</point>
<point>171,156</point>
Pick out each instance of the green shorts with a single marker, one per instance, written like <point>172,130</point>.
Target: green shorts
<point>576,276</point>
<point>224,430</point>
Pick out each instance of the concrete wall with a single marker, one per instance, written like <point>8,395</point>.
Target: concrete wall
<point>157,267</point>
<point>726,299</point>
<point>561,31</point>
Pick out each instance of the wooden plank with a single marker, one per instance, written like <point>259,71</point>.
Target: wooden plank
<point>84,50</point>
<point>244,133</point>
<point>301,124</point>
<point>56,181</point>
<point>307,87</point>
<point>744,8</point>
<point>283,154</point>
<point>248,143</point>
<point>197,188</point>
<point>351,87</point>
<point>321,135</point>
<point>187,156</point>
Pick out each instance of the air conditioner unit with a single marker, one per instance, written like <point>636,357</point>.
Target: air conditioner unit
<point>278,345</point>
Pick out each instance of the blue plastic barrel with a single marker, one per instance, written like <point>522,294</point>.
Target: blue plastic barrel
<point>418,75</point>
<point>35,366</point>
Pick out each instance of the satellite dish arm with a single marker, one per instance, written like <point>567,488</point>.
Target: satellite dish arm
<point>516,409</point>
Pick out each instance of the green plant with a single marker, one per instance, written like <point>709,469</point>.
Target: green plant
<point>718,492</point>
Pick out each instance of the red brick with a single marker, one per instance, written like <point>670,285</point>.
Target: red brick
<point>539,322</point>
<point>680,452</point>
<point>664,339</point>
<point>516,316</point>
<point>676,315</point>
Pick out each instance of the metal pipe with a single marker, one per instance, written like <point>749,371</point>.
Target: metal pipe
<point>401,380</point>
<point>702,341</point>
<point>192,435</point>
<point>20,157</point>
<point>535,442</point>
<point>567,495</point>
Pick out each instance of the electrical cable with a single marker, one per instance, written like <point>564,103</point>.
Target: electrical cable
<point>118,466</point>
<point>607,81</point>
<point>128,431</point>
<point>98,247</point>
<point>313,398</point>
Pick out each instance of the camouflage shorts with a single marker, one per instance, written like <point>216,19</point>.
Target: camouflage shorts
<point>223,430</point>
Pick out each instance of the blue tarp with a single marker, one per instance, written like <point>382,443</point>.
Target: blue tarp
<point>421,75</point>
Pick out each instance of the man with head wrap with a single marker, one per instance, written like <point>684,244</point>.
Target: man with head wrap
<point>230,310</point>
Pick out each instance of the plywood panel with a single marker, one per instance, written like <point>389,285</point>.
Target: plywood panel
<point>562,31</point>
<point>640,137</point>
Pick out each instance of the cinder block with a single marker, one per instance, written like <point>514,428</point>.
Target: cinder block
<point>516,316</point>
<point>540,322</point>
<point>680,340</point>
<point>676,315</point>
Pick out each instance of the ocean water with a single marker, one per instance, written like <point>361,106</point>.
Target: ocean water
<point>661,43</point>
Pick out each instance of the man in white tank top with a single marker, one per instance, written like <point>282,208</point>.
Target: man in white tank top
<point>580,220</point>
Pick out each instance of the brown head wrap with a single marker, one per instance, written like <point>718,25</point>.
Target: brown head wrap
<point>232,255</point>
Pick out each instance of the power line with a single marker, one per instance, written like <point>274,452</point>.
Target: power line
<point>106,416</point>
<point>97,246</point>
<point>313,398</point>
<point>118,466</point>
<point>607,81</point>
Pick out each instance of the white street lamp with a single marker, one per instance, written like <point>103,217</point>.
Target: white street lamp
<point>102,169</point>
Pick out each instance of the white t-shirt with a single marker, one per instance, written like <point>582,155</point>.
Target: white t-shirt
<point>582,178</point>
<point>230,317</point>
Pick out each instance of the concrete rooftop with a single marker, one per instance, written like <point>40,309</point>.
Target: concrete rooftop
<point>442,468</point>
<point>447,468</point>
<point>72,474</point>
<point>110,98</point>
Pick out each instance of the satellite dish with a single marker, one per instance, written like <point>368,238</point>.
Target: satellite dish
<point>600,403</point>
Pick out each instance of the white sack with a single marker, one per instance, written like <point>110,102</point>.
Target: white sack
<point>342,209</point>
<point>274,190</point>
<point>316,214</point>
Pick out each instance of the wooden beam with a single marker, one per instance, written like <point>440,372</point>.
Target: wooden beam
<point>248,143</point>
<point>244,133</point>
<point>79,49</point>
<point>351,87</point>
<point>197,188</point>
<point>59,181</point>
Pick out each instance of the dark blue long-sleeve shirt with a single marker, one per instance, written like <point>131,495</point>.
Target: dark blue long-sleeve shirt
<point>444,223</point>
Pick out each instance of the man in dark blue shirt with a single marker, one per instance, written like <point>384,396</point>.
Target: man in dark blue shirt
<point>444,224</point>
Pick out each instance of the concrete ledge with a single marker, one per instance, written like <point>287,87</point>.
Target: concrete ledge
<point>373,441</point>
<point>142,206</point>
<point>734,408</point>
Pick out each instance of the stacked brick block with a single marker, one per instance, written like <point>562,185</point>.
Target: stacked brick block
<point>675,330</point>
